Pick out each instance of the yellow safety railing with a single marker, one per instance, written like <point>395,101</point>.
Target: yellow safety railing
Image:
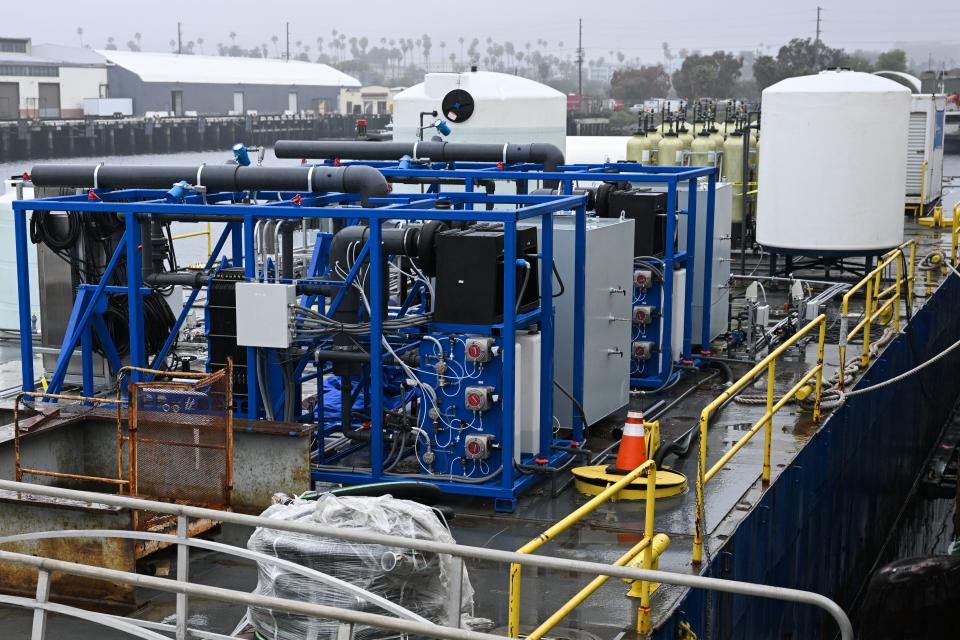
<point>195,234</point>
<point>911,246</point>
<point>769,364</point>
<point>879,303</point>
<point>648,546</point>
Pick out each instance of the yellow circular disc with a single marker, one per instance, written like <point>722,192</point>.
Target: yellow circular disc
<point>593,480</point>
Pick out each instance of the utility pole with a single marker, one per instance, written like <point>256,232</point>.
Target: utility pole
<point>288,42</point>
<point>580,60</point>
<point>816,44</point>
<point>179,40</point>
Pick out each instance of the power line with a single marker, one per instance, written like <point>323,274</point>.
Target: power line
<point>580,59</point>
<point>816,45</point>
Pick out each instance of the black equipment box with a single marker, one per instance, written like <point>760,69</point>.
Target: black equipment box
<point>222,328</point>
<point>470,274</point>
<point>648,210</point>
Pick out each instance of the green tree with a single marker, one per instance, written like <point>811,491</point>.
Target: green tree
<point>637,85</point>
<point>766,71</point>
<point>858,62</point>
<point>893,60</point>
<point>799,57</point>
<point>711,75</point>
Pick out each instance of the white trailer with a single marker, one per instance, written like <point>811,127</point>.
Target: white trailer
<point>107,107</point>
<point>925,151</point>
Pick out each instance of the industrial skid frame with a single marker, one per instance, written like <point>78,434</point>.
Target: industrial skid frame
<point>566,176</point>
<point>241,220</point>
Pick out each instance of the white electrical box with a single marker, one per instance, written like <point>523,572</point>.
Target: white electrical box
<point>263,312</point>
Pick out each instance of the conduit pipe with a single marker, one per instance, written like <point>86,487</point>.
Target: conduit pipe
<point>364,181</point>
<point>538,152</point>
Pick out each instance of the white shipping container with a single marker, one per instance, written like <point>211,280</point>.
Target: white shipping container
<point>925,144</point>
<point>107,107</point>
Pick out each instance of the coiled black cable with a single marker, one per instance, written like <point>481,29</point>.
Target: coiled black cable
<point>43,231</point>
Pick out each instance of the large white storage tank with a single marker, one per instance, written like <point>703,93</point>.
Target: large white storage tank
<point>483,106</point>
<point>833,164</point>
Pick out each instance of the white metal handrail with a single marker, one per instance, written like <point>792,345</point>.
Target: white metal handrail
<point>183,588</point>
<point>240,552</point>
<point>46,566</point>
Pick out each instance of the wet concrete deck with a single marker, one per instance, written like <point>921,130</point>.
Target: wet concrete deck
<point>603,536</point>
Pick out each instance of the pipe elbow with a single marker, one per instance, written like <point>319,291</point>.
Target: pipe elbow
<point>365,181</point>
<point>546,154</point>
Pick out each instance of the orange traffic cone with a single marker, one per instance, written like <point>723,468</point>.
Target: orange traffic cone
<point>633,445</point>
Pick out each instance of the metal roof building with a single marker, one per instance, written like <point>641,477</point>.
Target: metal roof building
<point>207,85</point>
<point>47,81</point>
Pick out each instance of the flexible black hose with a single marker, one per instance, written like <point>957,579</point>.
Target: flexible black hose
<point>583,414</point>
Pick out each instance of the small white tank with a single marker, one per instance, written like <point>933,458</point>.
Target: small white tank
<point>9,303</point>
<point>483,106</point>
<point>833,164</point>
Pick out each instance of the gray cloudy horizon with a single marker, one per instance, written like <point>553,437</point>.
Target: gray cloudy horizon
<point>636,28</point>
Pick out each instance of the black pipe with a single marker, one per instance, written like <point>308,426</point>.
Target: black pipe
<point>287,228</point>
<point>538,152</point>
<point>191,217</point>
<point>361,180</point>
<point>311,289</point>
<point>152,264</point>
<point>333,355</point>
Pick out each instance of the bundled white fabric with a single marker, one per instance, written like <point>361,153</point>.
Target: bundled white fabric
<point>412,579</point>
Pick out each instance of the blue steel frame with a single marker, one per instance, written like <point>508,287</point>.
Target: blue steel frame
<point>280,206</point>
<point>631,172</point>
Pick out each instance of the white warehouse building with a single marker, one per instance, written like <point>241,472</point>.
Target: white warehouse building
<point>47,81</point>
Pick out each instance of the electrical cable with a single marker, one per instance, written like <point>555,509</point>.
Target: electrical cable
<point>523,287</point>
<point>577,404</point>
<point>263,386</point>
<point>559,280</point>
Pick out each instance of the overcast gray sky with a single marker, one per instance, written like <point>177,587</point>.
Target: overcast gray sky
<point>635,27</point>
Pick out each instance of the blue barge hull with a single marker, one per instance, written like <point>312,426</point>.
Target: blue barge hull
<point>822,524</point>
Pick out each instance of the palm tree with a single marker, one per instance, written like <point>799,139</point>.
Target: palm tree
<point>200,44</point>
<point>80,34</point>
<point>233,37</point>
<point>453,61</point>
<point>173,45</point>
<point>275,39</point>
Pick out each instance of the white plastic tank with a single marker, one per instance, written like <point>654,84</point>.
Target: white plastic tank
<point>9,303</point>
<point>483,106</point>
<point>596,149</point>
<point>833,164</point>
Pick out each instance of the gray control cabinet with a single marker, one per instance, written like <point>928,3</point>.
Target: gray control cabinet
<point>607,327</point>
<point>720,276</point>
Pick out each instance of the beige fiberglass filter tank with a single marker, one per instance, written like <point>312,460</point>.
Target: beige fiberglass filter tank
<point>833,164</point>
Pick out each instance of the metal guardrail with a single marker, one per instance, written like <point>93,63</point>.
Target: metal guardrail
<point>208,233</point>
<point>879,304</point>
<point>645,546</point>
<point>704,475</point>
<point>183,588</point>
<point>20,470</point>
